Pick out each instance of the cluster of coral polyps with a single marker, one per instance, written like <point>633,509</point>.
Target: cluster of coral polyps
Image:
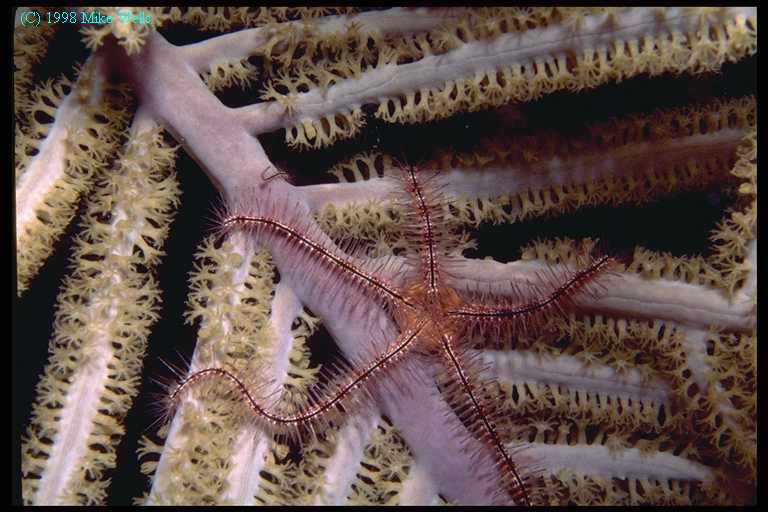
<point>644,394</point>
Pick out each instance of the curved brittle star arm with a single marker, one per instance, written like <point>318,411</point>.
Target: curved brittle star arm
<point>306,415</point>
<point>625,294</point>
<point>522,315</point>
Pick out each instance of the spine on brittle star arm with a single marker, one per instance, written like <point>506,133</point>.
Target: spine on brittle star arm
<point>424,226</point>
<point>477,409</point>
<point>427,229</point>
<point>346,388</point>
<point>529,305</point>
<point>283,226</point>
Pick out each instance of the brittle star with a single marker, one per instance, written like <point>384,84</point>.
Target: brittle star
<point>433,320</point>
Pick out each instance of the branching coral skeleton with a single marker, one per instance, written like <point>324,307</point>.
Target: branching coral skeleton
<point>564,377</point>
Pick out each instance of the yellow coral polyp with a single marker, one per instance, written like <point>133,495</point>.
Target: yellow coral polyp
<point>720,40</point>
<point>68,152</point>
<point>89,363</point>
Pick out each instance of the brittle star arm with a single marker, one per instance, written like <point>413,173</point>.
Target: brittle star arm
<point>516,315</point>
<point>486,430</point>
<point>629,295</point>
<point>299,238</point>
<point>321,407</point>
<point>425,211</point>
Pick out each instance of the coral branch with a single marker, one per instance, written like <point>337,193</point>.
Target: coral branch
<point>102,324</point>
<point>71,152</point>
<point>240,45</point>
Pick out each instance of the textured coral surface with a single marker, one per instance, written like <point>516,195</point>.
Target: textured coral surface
<point>546,130</point>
